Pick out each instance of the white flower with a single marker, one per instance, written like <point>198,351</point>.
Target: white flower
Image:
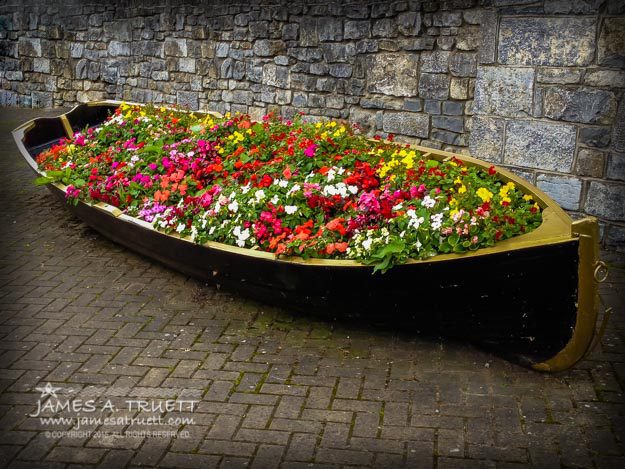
<point>428,202</point>
<point>331,175</point>
<point>180,227</point>
<point>233,206</point>
<point>222,200</point>
<point>353,189</point>
<point>437,221</point>
<point>259,194</point>
<point>283,183</point>
<point>275,199</point>
<point>367,243</point>
<point>242,235</point>
<point>293,189</point>
<point>290,209</point>
<point>397,207</point>
<point>246,188</point>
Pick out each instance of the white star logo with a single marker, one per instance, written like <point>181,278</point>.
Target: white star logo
<point>48,390</point>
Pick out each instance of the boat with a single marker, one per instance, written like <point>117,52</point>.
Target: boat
<point>532,299</point>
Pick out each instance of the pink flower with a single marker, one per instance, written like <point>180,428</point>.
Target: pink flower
<point>80,140</point>
<point>310,151</point>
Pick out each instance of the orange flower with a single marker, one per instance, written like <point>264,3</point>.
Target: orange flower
<point>161,196</point>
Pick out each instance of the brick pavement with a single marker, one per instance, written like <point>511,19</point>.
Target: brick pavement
<point>272,389</point>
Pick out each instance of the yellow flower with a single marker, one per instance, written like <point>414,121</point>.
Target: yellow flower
<point>458,181</point>
<point>462,189</point>
<point>528,197</point>
<point>453,202</point>
<point>484,194</point>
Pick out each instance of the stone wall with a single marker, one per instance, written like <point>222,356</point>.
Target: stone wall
<point>535,86</point>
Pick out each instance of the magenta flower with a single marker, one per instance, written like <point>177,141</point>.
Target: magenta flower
<point>310,151</point>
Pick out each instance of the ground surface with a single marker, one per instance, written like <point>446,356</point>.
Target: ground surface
<point>107,327</point>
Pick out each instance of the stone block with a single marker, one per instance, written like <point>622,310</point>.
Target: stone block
<point>565,190</point>
<point>590,163</point>
<point>575,7</point>
<point>547,41</point>
<point>618,129</point>
<point>487,138</point>
<point>116,49</point>
<point>41,99</point>
<point>336,52</point>
<point>392,74</point>
<point>175,47</point>
<point>584,105</point>
<point>118,30</point>
<point>616,238</point>
<point>540,145</point>
<point>447,18</point>
<point>459,88</point>
<point>275,75</point>
<point>269,47</point>
<point>41,65</point>
<point>504,91</point>
<point>463,64</point>
<point>561,76</point>
<point>450,138</point>
<point>366,119</point>
<point>290,32</point>
<point>605,78</point>
<point>453,108</point>
<point>330,29</point>
<point>595,136</point>
<point>406,123</point>
<point>187,65</point>
<point>385,27</point>
<point>340,70</point>
<point>29,47</point>
<point>357,29</point>
<point>434,86</point>
<point>605,200</point>
<point>308,35</point>
<point>409,23</point>
<point>188,99</point>
<point>432,106</point>
<point>435,62</point>
<point>616,167</point>
<point>488,37</point>
<point>611,45</point>
<point>468,38</point>
<point>413,105</point>
<point>453,124</point>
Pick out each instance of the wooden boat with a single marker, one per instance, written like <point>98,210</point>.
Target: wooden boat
<point>532,298</point>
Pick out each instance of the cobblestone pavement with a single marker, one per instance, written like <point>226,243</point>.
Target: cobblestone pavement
<point>103,324</point>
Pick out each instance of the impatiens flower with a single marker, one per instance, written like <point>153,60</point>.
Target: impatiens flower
<point>428,202</point>
<point>290,209</point>
<point>484,194</point>
<point>310,151</point>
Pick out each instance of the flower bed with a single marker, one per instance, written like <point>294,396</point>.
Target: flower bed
<point>288,187</point>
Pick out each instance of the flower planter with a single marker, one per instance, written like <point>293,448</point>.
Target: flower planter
<point>532,297</point>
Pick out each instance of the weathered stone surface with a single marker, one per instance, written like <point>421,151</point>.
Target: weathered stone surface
<point>188,99</point>
<point>406,123</point>
<point>584,105</point>
<point>447,18</point>
<point>29,47</point>
<point>435,62</point>
<point>393,74</point>
<point>541,145</point>
<point>463,64</point>
<point>366,119</point>
<point>357,29</point>
<point>118,30</point>
<point>275,75</point>
<point>187,65</point>
<point>42,99</point>
<point>575,7</point>
<point>453,124</point>
<point>595,136</point>
<point>330,29</point>
<point>459,88</point>
<point>175,47</point>
<point>336,52</point>
<point>605,78</point>
<point>547,41</point>
<point>486,139</point>
<point>116,49</point>
<point>386,27</point>
<point>616,167</point>
<point>590,163</point>
<point>340,70</point>
<point>616,238</point>
<point>488,37</point>
<point>618,129</point>
<point>504,91</point>
<point>434,86</point>
<point>268,47</point>
<point>409,23</point>
<point>605,200</point>
<point>41,65</point>
<point>565,190</point>
<point>611,45</point>
<point>453,108</point>
<point>468,38</point>
<point>561,76</point>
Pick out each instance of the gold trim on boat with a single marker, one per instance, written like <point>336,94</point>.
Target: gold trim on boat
<point>67,126</point>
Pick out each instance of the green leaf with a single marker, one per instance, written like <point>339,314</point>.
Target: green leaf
<point>79,183</point>
<point>453,239</point>
<point>43,180</point>
<point>196,128</point>
<point>431,164</point>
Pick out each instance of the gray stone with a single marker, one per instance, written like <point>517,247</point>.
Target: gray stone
<point>29,47</point>
<point>406,123</point>
<point>413,105</point>
<point>459,88</point>
<point>290,31</point>
<point>590,163</point>
<point>340,70</point>
<point>357,29</point>
<point>616,238</point>
<point>160,75</point>
<point>110,74</point>
<point>338,52</point>
<point>575,7</point>
<point>385,27</point>
<point>584,105</point>
<point>330,29</point>
<point>392,74</point>
<point>453,108</point>
<point>409,23</point>
<point>41,99</point>
<point>595,136</point>
<point>366,119</point>
<point>618,130</point>
<point>565,190</point>
<point>454,124</point>
<point>118,30</point>
<point>611,46</point>
<point>445,42</point>
<point>382,103</point>
<point>300,99</point>
<point>81,69</point>
<point>175,47</point>
<point>435,62</point>
<point>547,41</point>
<point>187,65</point>
<point>450,138</point>
<point>463,64</point>
<point>488,38</point>
<point>561,76</point>
<point>222,49</point>
<point>445,18</point>
<point>41,65</point>
<point>281,60</point>
<point>268,47</point>
<point>541,145</point>
<point>259,29</point>
<point>486,139</point>
<point>605,200</point>
<point>616,167</point>
<point>605,78</point>
<point>188,99</point>
<point>468,38</point>
<point>504,91</point>
<point>275,75</point>
<point>308,35</point>
<point>432,106</point>
<point>434,86</point>
<point>116,49</point>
